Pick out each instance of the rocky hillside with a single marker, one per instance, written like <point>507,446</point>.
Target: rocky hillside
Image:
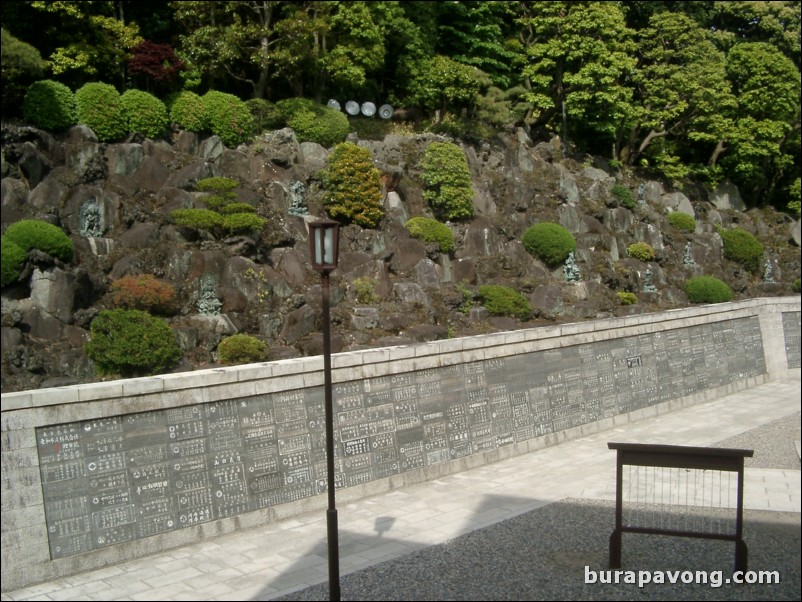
<point>114,201</point>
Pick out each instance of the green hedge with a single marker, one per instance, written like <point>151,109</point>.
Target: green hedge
<point>130,343</point>
<point>641,250</point>
<point>228,117</point>
<point>549,242</point>
<point>100,108</point>
<point>504,301</point>
<point>623,196</point>
<point>448,187</point>
<point>740,246</point>
<point>353,186</point>
<point>203,219</point>
<point>431,230</point>
<point>707,289</point>
<point>323,125</point>
<point>13,260</point>
<point>145,113</point>
<point>241,349</point>
<point>35,234</point>
<point>50,105</point>
<point>188,111</point>
<point>682,221</point>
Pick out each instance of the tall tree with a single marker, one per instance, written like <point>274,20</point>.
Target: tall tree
<point>230,41</point>
<point>89,40</point>
<point>764,140</point>
<point>682,86</point>
<point>578,59</point>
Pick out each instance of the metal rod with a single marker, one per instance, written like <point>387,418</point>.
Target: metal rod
<point>331,513</point>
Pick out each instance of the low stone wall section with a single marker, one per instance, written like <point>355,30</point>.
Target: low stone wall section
<point>102,473</point>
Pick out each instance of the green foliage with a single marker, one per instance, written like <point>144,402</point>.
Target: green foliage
<point>243,223</point>
<point>431,230</point>
<point>323,125</point>
<point>13,259</point>
<point>20,66</point>
<point>287,108</point>
<point>549,242</point>
<point>130,342</point>
<point>236,208</point>
<point>188,111</point>
<point>797,286</point>
<point>203,219</point>
<point>504,301</point>
<point>441,83</point>
<point>34,234</point>
<point>144,292</point>
<point>265,114</point>
<point>353,185</point>
<point>145,113</point>
<point>101,109</point>
<point>623,196</point>
<point>795,196</point>
<point>706,289</point>
<point>223,191</point>
<point>641,250</point>
<point>228,117</point>
<point>365,290</point>
<point>742,247</point>
<point>467,297</point>
<point>682,221</point>
<point>626,298</point>
<point>241,349</point>
<point>50,105</point>
<point>447,181</point>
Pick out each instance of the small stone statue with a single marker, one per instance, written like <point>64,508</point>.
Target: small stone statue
<point>571,272</point>
<point>648,285</point>
<point>768,268</point>
<point>641,193</point>
<point>687,257</point>
<point>208,303</point>
<point>297,206</point>
<point>91,226</point>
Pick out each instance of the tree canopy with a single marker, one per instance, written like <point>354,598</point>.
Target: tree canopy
<point>707,90</point>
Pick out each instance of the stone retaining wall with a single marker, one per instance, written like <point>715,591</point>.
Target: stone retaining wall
<point>101,473</point>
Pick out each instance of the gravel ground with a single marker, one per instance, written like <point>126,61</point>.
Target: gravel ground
<point>545,554</point>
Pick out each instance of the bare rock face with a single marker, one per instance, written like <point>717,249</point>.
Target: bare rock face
<point>115,203</point>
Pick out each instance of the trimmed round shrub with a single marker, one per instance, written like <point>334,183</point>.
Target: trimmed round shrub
<point>188,111</point>
<point>203,219</point>
<point>323,125</point>
<point>35,234</point>
<point>288,107</point>
<point>549,242</point>
<point>641,250</point>
<point>448,187</point>
<point>740,246</point>
<point>145,113</point>
<point>100,108</point>
<point>623,196</point>
<point>353,185</point>
<point>682,221</point>
<point>130,342</point>
<point>13,259</point>
<point>707,289</point>
<point>50,105</point>
<point>229,117</point>
<point>144,292</point>
<point>243,222</point>
<point>431,230</point>
<point>504,301</point>
<point>241,349</point>
<point>626,298</point>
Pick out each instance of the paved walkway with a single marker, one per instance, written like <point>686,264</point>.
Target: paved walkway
<point>270,561</point>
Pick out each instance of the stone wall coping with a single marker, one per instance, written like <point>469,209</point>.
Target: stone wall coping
<point>351,365</point>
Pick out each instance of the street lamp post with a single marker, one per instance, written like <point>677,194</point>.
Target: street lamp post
<point>324,235</point>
